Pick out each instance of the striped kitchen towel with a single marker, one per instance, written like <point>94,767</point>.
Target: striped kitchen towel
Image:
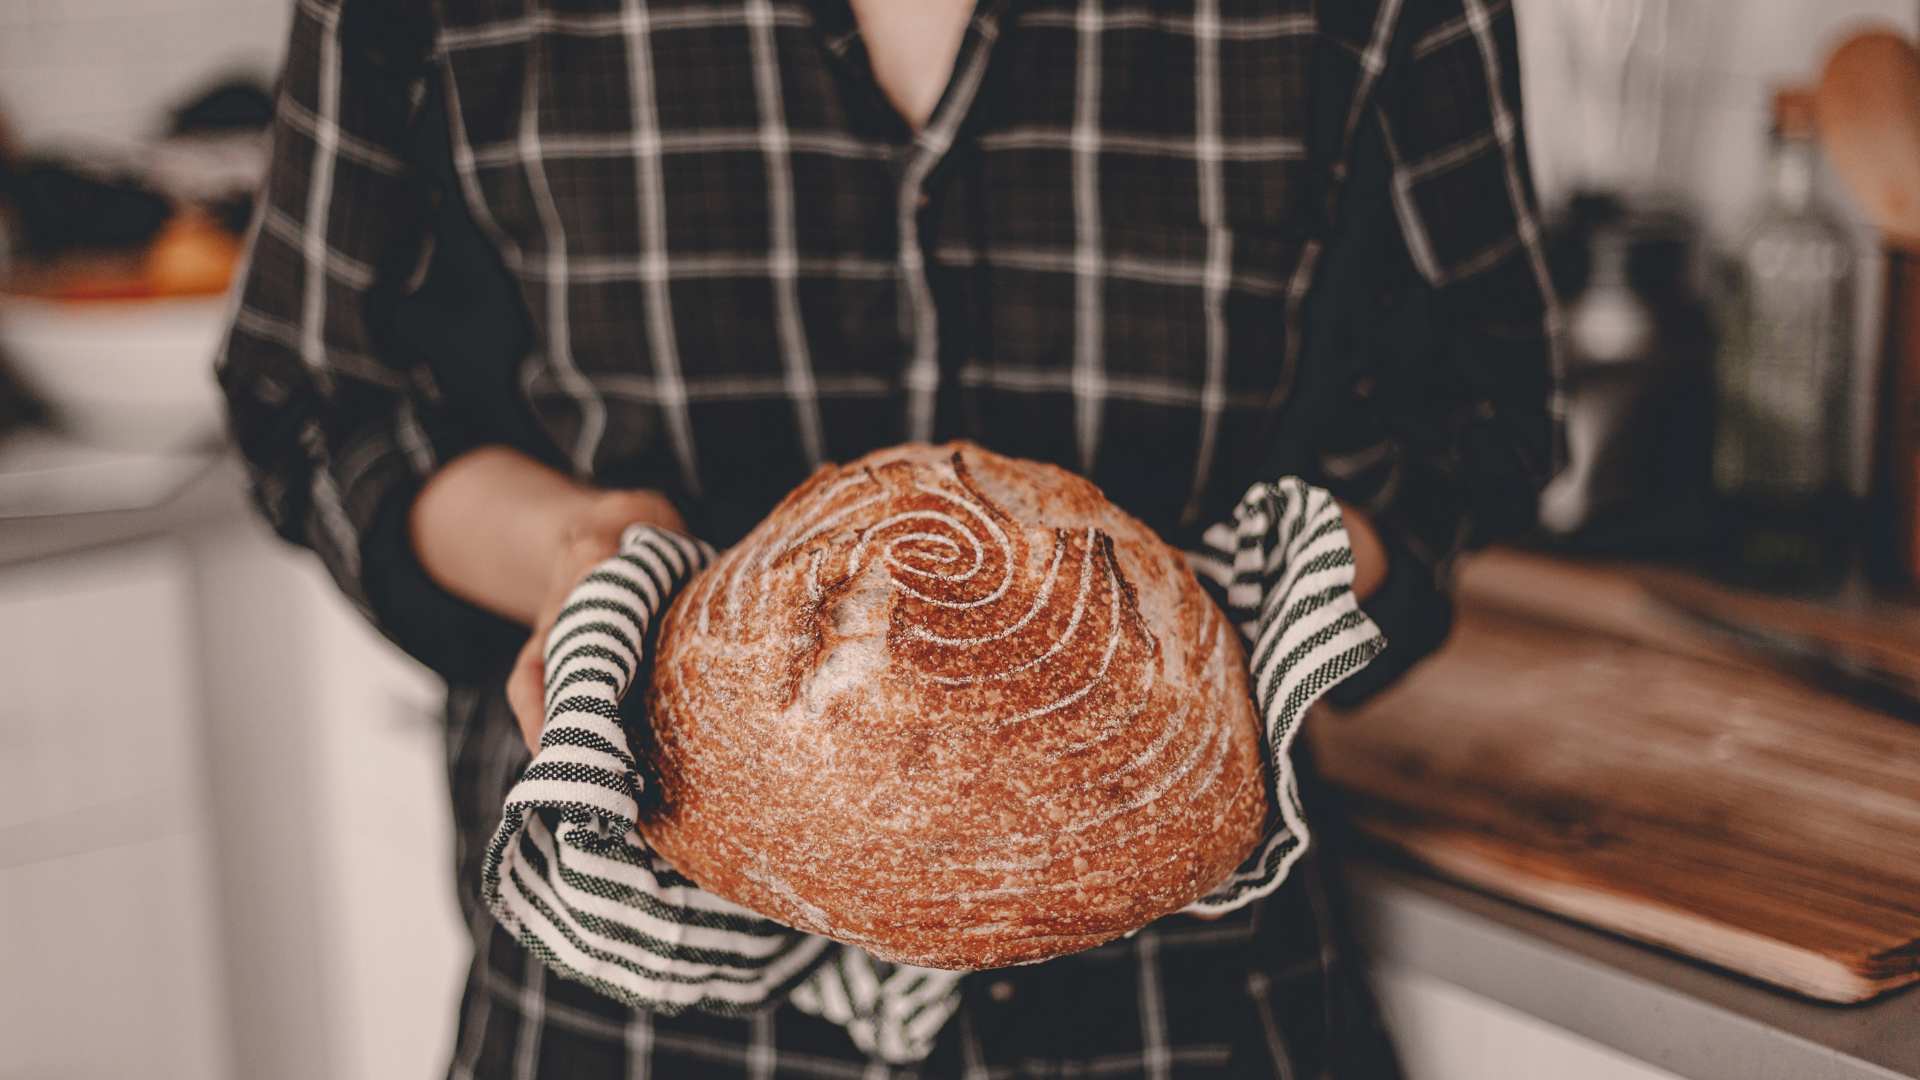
<point>571,877</point>
<point>1283,571</point>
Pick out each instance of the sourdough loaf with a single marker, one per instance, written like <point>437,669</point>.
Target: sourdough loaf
<point>954,708</point>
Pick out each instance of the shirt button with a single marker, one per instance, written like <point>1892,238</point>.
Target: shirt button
<point>1000,990</point>
<point>923,200</point>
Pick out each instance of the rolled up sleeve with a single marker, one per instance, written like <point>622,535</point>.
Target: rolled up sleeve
<point>1427,392</point>
<point>337,430</point>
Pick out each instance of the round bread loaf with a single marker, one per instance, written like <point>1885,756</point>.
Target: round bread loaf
<point>956,709</point>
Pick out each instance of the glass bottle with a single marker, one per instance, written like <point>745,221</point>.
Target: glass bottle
<point>1781,378</point>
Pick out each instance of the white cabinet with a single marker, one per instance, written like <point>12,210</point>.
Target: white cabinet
<point>1446,1033</point>
<point>397,950</point>
<point>110,968</point>
<point>225,843</point>
<point>97,674</point>
<point>335,829</point>
<point>109,950</point>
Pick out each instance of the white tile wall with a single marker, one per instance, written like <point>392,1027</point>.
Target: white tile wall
<point>1689,124</point>
<point>107,71</point>
<point>1698,93</point>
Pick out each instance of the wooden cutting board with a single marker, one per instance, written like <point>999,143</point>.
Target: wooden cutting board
<point>1582,746</point>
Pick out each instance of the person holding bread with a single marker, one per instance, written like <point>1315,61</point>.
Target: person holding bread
<point>1159,274</point>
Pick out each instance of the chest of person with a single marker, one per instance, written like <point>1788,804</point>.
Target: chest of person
<point>1136,145</point>
<point>728,237</point>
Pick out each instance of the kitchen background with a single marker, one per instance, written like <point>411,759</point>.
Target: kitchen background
<point>220,782</point>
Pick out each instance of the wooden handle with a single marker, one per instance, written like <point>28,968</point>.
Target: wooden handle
<point>1869,101</point>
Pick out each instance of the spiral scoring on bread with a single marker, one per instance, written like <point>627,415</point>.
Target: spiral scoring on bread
<point>1012,721</point>
<point>946,549</point>
<point>966,610</point>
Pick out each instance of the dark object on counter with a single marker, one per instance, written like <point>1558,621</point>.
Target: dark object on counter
<point>214,157</point>
<point>233,215</point>
<point>1580,747</point>
<point>1837,665</point>
<point>241,104</point>
<point>1857,644</point>
<point>1893,512</point>
<point>61,208</point>
<point>1637,382</point>
<point>19,405</point>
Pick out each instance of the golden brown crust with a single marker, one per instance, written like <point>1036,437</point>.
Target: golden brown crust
<point>956,709</point>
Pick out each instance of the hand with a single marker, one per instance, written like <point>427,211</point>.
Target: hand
<point>586,542</point>
<point>1370,557</point>
<point>501,530</point>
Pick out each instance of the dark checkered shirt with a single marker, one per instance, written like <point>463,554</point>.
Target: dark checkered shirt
<point>1175,245</point>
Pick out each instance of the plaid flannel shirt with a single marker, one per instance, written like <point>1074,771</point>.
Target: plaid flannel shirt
<point>1177,245</point>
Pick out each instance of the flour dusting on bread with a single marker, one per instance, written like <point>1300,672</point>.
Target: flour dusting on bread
<point>957,709</point>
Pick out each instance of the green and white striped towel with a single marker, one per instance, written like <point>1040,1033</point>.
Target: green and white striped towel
<point>571,877</point>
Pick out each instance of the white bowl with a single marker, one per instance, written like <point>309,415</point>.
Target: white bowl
<point>126,374</point>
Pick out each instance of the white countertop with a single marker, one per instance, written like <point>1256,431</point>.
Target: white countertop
<point>1671,1012</point>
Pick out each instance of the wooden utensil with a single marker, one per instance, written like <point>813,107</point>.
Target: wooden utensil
<point>1869,100</point>
<point>1610,763</point>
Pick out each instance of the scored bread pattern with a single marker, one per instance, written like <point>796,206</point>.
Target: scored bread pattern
<point>956,709</point>
<point>955,558</point>
<point>570,875</point>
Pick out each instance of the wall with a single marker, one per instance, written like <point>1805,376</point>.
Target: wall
<point>1690,119</point>
<point>1672,101</point>
<point>106,71</point>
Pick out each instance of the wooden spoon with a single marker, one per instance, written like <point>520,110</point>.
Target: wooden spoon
<point>1870,127</point>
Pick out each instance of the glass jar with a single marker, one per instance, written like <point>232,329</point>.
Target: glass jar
<point>1781,377</point>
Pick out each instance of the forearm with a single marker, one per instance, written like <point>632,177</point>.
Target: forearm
<point>496,528</point>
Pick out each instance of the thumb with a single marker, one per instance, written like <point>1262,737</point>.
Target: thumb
<point>526,689</point>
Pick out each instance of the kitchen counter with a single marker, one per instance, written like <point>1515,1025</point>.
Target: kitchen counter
<point>212,493</point>
<point>1688,1018</point>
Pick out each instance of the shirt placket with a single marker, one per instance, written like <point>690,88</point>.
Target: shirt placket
<point>920,314</point>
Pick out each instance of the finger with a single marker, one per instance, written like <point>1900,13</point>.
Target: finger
<point>525,694</point>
